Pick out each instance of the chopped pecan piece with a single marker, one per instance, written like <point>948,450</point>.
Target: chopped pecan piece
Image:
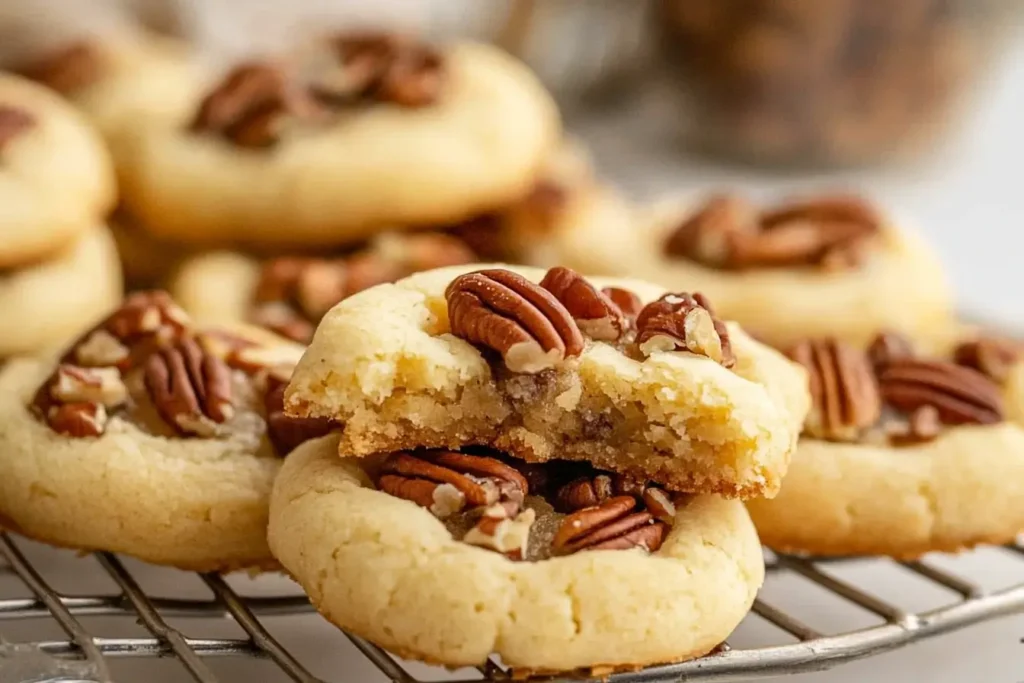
<point>628,302</point>
<point>505,312</point>
<point>924,425</point>
<point>660,504</point>
<point>596,314</point>
<point>993,356</point>
<point>502,531</point>
<point>828,232</point>
<point>13,122</point>
<point>77,420</point>
<point>584,492</point>
<point>681,322</point>
<point>190,387</point>
<point>383,67</point>
<point>282,319</point>
<point>76,66</point>
<point>447,481</point>
<point>888,347</point>
<point>844,393</point>
<point>613,525</point>
<point>252,104</point>
<point>144,322</point>
<point>74,384</point>
<point>961,395</point>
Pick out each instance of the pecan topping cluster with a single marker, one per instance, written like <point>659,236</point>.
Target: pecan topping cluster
<point>13,122</point>
<point>491,496</point>
<point>729,232</point>
<point>253,105</point>
<point>891,392</point>
<point>257,102</point>
<point>66,70</point>
<point>380,67</point>
<point>535,327</point>
<point>294,293</point>
<point>146,353</point>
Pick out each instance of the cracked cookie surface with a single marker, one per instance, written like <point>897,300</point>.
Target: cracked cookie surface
<point>389,571</point>
<point>385,363</point>
<point>943,473</point>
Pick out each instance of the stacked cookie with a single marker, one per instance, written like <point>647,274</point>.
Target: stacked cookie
<point>534,464</point>
<point>59,271</point>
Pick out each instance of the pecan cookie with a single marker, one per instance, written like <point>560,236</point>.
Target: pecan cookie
<point>904,452</point>
<point>375,132</point>
<point>56,180</point>
<point>46,304</point>
<point>448,557</point>
<point>151,438</point>
<point>545,365</point>
<point>814,266</point>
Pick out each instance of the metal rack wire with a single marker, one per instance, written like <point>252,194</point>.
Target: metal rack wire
<point>812,650</point>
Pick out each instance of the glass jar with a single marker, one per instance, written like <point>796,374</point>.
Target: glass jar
<point>827,81</point>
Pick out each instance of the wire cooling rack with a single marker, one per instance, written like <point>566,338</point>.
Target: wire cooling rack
<point>84,656</point>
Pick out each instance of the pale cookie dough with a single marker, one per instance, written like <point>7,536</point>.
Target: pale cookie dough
<point>389,571</point>
<point>900,285</point>
<point>46,304</point>
<point>56,179</point>
<point>341,177</point>
<point>384,363</point>
<point>960,489</point>
<point>143,487</point>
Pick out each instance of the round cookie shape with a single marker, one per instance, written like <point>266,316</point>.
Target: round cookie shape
<point>370,561</point>
<point>112,457</point>
<point>390,365</point>
<point>46,304</point>
<point>922,484</point>
<point>56,179</point>
<point>339,175</point>
<point>887,279</point>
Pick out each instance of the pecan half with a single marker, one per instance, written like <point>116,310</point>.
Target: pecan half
<point>446,481</point>
<point>681,322</point>
<point>707,235</point>
<point>844,394</point>
<point>596,314</point>
<point>613,525</point>
<point>961,395</point>
<point>830,232</point>
<point>888,347</point>
<point>71,68</point>
<point>505,312</point>
<point>13,122</point>
<point>190,388</point>
<point>993,356</point>
<point>287,433</point>
<point>252,105</point>
<point>383,67</point>
<point>502,531</point>
<point>924,425</point>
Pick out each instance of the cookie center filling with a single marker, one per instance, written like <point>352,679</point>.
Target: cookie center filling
<point>892,396</point>
<point>730,233</point>
<point>145,366</point>
<point>530,511</point>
